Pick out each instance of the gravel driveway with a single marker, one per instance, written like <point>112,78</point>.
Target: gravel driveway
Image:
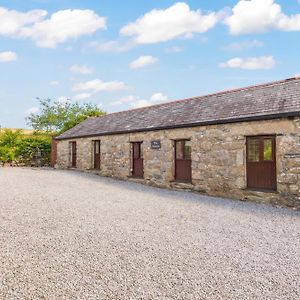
<point>71,235</point>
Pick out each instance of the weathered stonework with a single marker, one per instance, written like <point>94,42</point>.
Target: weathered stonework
<point>218,158</point>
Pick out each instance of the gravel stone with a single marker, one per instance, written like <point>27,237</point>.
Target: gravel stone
<point>71,235</point>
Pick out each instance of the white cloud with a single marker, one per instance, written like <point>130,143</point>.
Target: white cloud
<point>81,69</point>
<point>240,46</point>
<point>60,27</point>
<point>297,75</point>
<point>158,98</point>
<point>82,96</point>
<point>111,46</point>
<point>11,21</point>
<point>143,61</point>
<point>8,56</point>
<point>97,85</point>
<point>154,99</point>
<point>54,82</point>
<point>64,25</point>
<point>250,63</point>
<point>137,102</point>
<point>174,49</point>
<point>32,110</point>
<point>176,21</point>
<point>255,16</point>
<point>125,100</point>
<point>291,23</point>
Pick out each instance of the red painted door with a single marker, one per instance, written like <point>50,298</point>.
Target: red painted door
<point>137,160</point>
<point>261,162</point>
<point>183,162</point>
<point>97,155</point>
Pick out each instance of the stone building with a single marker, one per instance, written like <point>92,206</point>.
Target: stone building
<point>242,144</point>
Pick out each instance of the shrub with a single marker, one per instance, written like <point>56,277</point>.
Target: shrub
<point>34,147</point>
<point>15,147</point>
<point>7,155</point>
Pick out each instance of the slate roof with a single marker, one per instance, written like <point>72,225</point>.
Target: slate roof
<point>267,101</point>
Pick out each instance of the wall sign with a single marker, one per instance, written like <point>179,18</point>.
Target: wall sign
<point>292,155</point>
<point>155,145</point>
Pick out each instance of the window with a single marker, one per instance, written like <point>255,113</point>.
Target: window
<point>187,150</point>
<point>268,150</point>
<point>253,149</point>
<point>183,149</point>
<point>179,152</point>
<point>260,148</point>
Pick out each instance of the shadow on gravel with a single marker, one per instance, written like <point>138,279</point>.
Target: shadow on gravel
<point>225,203</point>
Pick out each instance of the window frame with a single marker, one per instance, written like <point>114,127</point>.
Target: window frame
<point>183,149</point>
<point>261,138</point>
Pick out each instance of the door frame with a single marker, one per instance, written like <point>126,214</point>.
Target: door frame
<point>73,154</point>
<point>274,159</point>
<point>141,156</point>
<point>95,143</point>
<point>175,161</point>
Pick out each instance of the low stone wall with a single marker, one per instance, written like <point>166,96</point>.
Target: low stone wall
<point>218,158</point>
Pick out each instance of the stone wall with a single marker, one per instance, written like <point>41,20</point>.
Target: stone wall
<point>218,158</point>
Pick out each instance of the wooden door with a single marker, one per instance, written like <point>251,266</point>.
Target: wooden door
<point>183,162</point>
<point>97,155</point>
<point>73,154</point>
<point>261,162</point>
<point>137,160</point>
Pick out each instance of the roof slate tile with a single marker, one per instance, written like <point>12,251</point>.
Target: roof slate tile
<point>275,99</point>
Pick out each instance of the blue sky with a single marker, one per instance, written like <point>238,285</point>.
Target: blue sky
<point>138,53</point>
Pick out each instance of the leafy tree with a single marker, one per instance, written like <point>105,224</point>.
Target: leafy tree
<point>59,117</point>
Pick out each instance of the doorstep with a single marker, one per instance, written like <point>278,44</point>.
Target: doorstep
<point>182,185</point>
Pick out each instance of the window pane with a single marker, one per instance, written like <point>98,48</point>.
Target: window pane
<point>179,154</point>
<point>268,149</point>
<point>187,149</point>
<point>141,150</point>
<point>97,147</point>
<point>253,149</point>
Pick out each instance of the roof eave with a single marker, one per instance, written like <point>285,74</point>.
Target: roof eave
<point>195,124</point>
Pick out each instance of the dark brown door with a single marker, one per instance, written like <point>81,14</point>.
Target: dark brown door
<point>261,162</point>
<point>183,162</point>
<point>97,158</point>
<point>73,154</point>
<point>137,160</point>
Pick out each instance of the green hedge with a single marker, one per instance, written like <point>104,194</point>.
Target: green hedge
<point>20,149</point>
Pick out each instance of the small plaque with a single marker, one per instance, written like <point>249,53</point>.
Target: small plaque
<point>155,145</point>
